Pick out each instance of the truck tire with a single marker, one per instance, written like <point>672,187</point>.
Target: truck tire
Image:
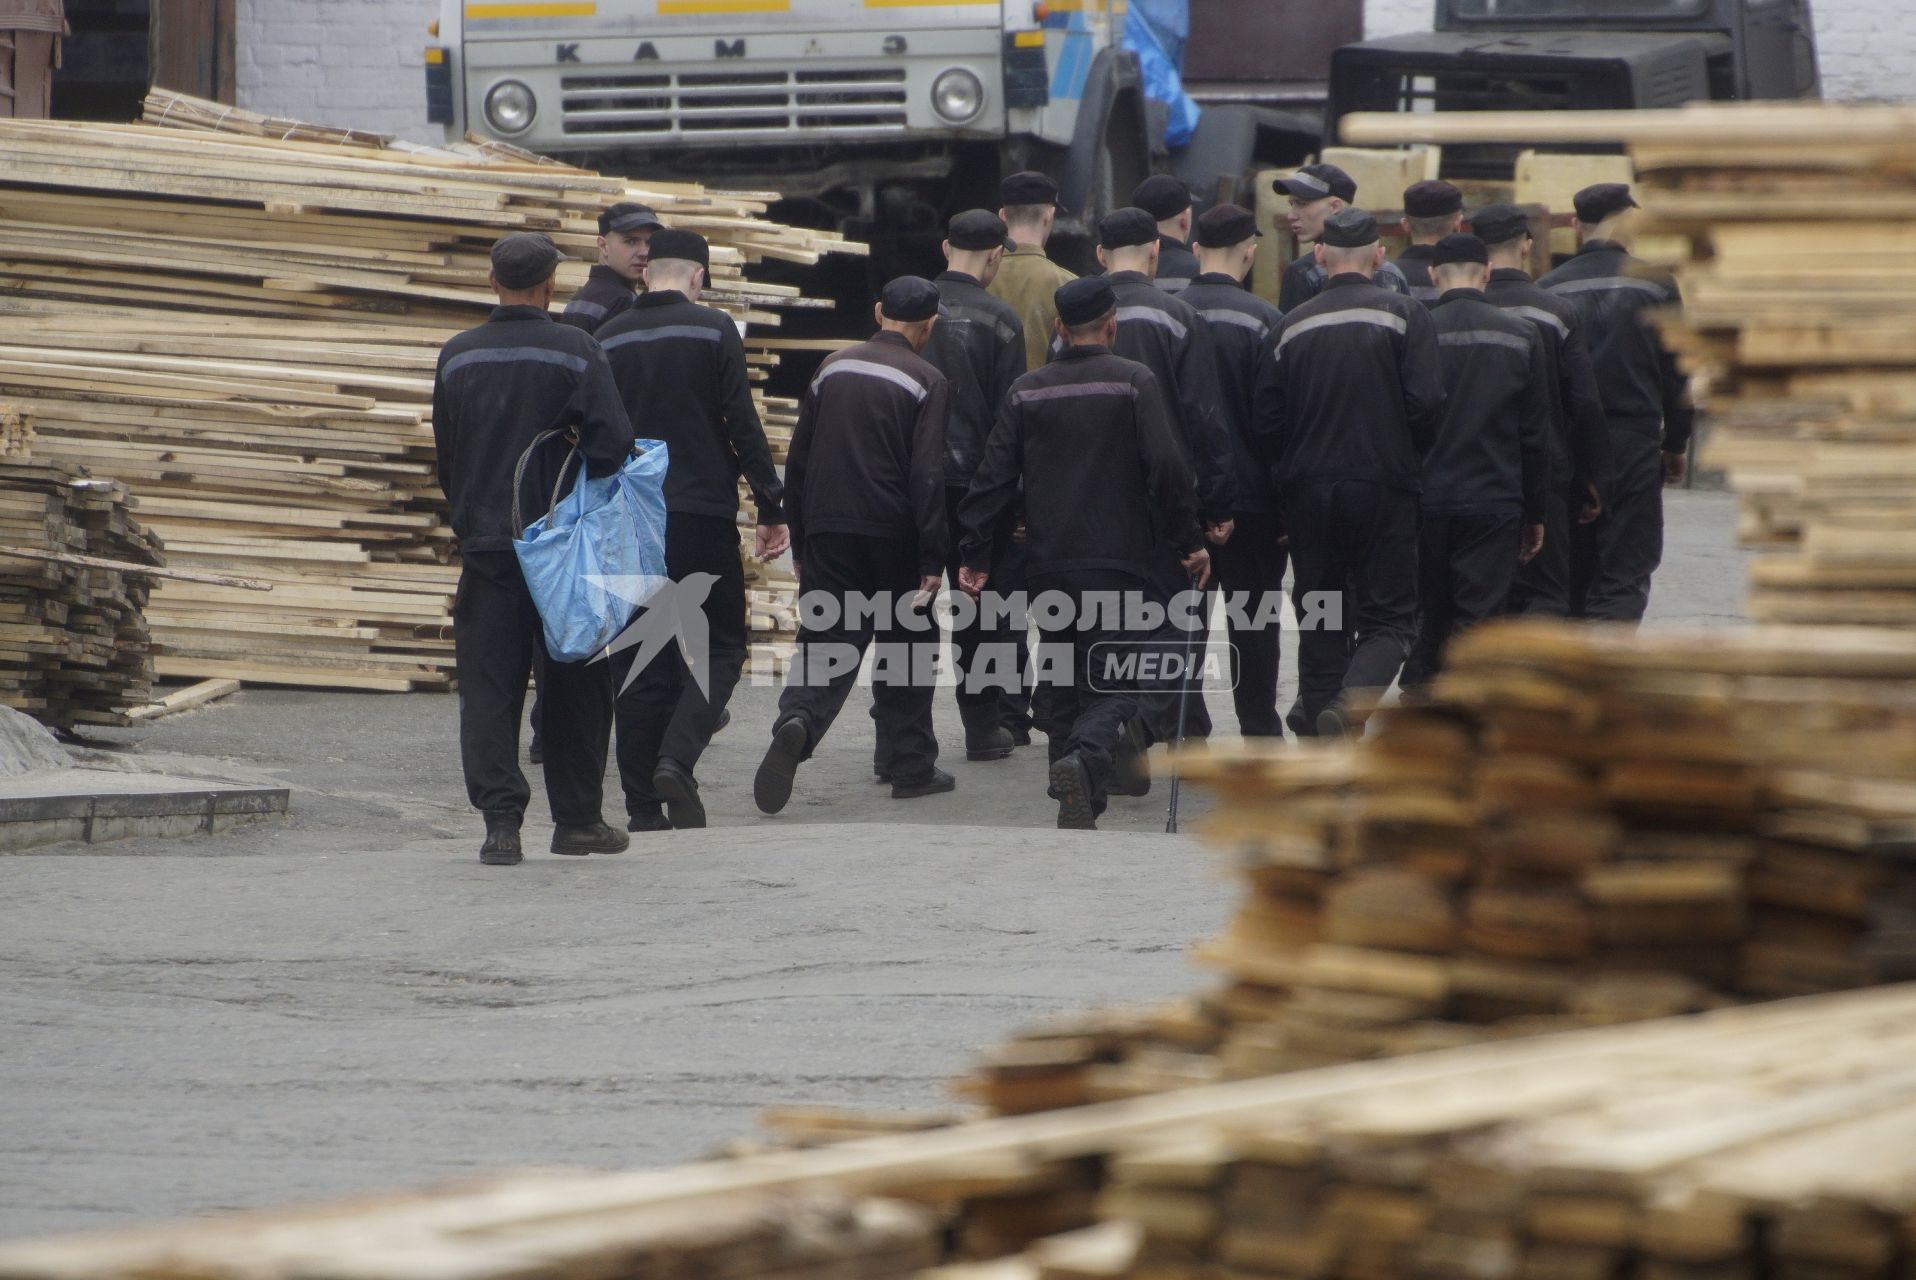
<point>1110,153</point>
<point>1232,141</point>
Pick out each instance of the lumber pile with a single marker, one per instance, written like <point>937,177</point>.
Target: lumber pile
<point>1800,338</point>
<point>74,645</point>
<point>1580,826</point>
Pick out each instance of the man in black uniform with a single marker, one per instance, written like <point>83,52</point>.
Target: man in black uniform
<point>1318,191</point>
<point>1579,437</point>
<point>1486,478</point>
<point>1349,397</point>
<point>496,389</point>
<point>1091,432</point>
<point>1432,210</point>
<point>1250,567</point>
<point>1171,340</point>
<point>1169,201</point>
<point>680,369</point>
<point>979,345</point>
<point>625,234</point>
<point>865,498</point>
<point>1645,400</point>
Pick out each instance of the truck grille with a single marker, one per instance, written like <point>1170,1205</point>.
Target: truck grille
<point>717,103</point>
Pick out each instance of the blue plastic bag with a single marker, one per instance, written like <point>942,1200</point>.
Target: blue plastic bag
<point>598,554</point>
<point>1156,30</point>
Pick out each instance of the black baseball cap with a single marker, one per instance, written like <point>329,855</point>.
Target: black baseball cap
<point>524,259</point>
<point>1084,300</point>
<point>687,246</point>
<point>1125,228</point>
<point>1351,228</point>
<point>1432,198</point>
<point>1318,182</point>
<point>1460,247</point>
<point>627,216</point>
<point>1027,187</point>
<point>1162,196</point>
<point>975,229</point>
<point>1223,225</point>
<point>1604,200</point>
<point>1500,223</point>
<point>909,298</point>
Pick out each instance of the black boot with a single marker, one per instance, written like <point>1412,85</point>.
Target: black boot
<point>985,738</point>
<point>772,788</point>
<point>937,782</point>
<point>1071,788</point>
<point>675,785</point>
<point>652,820</point>
<point>501,848</point>
<point>595,838</point>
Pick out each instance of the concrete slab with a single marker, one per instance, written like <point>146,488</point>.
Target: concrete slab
<point>95,806</point>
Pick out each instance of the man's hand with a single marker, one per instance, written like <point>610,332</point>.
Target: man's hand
<point>971,581</point>
<point>1198,565</point>
<point>1592,506</point>
<point>772,541</point>
<point>1018,531</point>
<point>927,590</point>
<point>1220,533</point>
<point>1532,543</point>
<point>1674,465</point>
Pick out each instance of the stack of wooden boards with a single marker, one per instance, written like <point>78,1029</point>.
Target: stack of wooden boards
<point>243,326</point>
<point>1801,336</point>
<point>1581,825</point>
<point>74,645</point>
<point>1745,1144</point>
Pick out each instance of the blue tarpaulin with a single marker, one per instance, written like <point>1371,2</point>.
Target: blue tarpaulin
<point>1156,30</point>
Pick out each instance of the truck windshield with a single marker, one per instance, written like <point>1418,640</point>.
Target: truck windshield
<point>1591,11</point>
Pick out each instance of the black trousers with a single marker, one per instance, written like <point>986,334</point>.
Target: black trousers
<point>1006,577</point>
<point>1465,565</point>
<point>1542,587</point>
<point>1352,542</point>
<point>1086,714</point>
<point>496,633</point>
<point>1162,706</point>
<point>1613,558</point>
<point>662,712</point>
<point>1251,565</point>
<point>839,565</point>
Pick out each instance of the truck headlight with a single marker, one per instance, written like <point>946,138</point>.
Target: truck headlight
<point>958,95</point>
<point>510,107</point>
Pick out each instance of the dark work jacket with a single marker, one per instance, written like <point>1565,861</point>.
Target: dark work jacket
<point>1304,280</point>
<point>979,345</point>
<point>1414,262</point>
<point>1645,395</point>
<point>604,295</point>
<point>1091,439</point>
<point>496,388</point>
<point>1492,455</point>
<point>1177,265</point>
<point>1165,336</point>
<point>1241,325</point>
<point>680,369</point>
<point>1580,439</point>
<point>1350,388</point>
<point>868,454</point>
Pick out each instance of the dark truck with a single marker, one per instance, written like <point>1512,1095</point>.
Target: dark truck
<point>1577,55</point>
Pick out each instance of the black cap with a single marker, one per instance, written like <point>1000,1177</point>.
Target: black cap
<point>1350,228</point>
<point>909,298</point>
<point>524,259</point>
<point>687,246</point>
<point>626,216</point>
<point>1604,200</point>
<point>1162,196</point>
<point>1500,223</point>
<point>975,229</point>
<point>1125,228</point>
<point>1027,187</point>
<point>1318,182</point>
<point>1460,247</point>
<point>1084,300</point>
<point>1223,225</point>
<point>1432,198</point>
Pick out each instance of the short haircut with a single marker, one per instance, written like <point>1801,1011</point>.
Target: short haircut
<point>1441,225</point>
<point>1448,269</point>
<point>1340,255</point>
<point>673,268</point>
<point>1026,215</point>
<point>1090,327</point>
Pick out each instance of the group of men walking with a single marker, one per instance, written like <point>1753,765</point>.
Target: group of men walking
<point>1423,444</point>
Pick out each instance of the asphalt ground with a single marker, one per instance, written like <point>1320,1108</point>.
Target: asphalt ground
<point>348,1000</point>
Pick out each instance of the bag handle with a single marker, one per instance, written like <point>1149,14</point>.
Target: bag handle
<point>519,479</point>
